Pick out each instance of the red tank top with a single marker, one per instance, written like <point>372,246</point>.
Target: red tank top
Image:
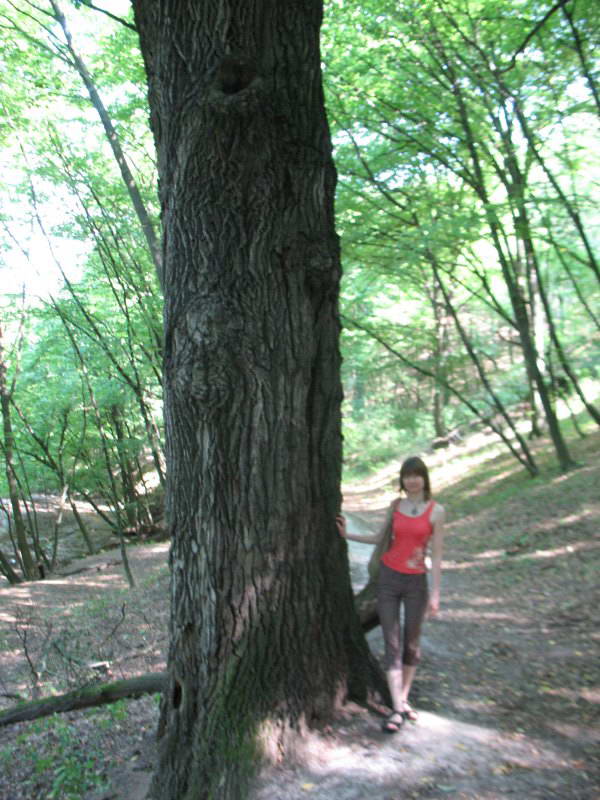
<point>410,537</point>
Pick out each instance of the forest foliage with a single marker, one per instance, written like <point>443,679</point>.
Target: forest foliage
<point>466,142</point>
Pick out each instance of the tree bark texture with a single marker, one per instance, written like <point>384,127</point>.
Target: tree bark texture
<point>264,636</point>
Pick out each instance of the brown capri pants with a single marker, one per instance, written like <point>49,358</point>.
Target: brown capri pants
<point>396,589</point>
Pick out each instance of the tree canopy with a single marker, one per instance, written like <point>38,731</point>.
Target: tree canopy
<point>465,139</point>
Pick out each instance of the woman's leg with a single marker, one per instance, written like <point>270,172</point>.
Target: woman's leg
<point>395,680</point>
<point>388,608</point>
<point>415,606</point>
<point>408,674</point>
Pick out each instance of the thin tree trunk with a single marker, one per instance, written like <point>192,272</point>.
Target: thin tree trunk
<point>114,494</point>
<point>56,465</point>
<point>537,320</point>
<point>439,357</point>
<point>8,444</point>
<point>129,496</point>
<point>579,49</point>
<point>56,526</point>
<point>538,294</point>
<point>560,255</point>
<point>116,259</point>
<point>519,308</point>
<point>524,458</point>
<point>476,178</point>
<point>113,140</point>
<point>480,370</point>
<point>567,204</point>
<point>82,527</point>
<point>560,352</point>
<point>7,570</point>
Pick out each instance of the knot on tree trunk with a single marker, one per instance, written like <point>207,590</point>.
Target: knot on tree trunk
<point>320,259</point>
<point>208,352</point>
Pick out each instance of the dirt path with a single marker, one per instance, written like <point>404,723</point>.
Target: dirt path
<point>493,722</point>
<point>508,690</point>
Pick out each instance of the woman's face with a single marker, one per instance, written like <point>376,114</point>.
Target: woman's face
<point>413,483</point>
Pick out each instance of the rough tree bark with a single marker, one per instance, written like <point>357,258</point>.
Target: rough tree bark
<point>264,638</point>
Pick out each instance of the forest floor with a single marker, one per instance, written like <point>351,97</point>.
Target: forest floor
<point>508,691</point>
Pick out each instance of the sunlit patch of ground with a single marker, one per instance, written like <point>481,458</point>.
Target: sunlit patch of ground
<point>358,761</point>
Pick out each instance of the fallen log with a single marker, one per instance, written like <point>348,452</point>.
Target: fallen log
<point>98,694</point>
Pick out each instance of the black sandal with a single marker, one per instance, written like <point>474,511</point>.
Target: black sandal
<point>393,722</point>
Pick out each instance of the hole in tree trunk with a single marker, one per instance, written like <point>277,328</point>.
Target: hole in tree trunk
<point>177,695</point>
<point>234,75</point>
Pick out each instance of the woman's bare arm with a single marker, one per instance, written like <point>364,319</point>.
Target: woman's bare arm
<point>374,538</point>
<point>437,547</point>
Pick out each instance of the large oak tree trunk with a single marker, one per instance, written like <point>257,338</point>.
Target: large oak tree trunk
<point>264,636</point>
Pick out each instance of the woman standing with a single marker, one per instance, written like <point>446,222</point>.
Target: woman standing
<point>413,522</point>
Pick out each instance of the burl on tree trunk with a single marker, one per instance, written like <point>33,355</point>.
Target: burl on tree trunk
<point>264,638</point>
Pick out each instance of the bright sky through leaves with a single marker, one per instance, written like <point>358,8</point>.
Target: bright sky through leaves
<point>28,258</point>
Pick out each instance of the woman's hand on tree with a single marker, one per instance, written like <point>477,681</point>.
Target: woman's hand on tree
<point>340,521</point>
